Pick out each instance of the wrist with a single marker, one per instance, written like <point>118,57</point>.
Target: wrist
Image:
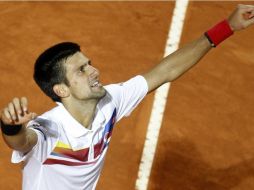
<point>231,26</point>
<point>219,33</point>
<point>10,130</point>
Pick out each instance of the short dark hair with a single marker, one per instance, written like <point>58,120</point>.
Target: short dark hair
<point>49,68</point>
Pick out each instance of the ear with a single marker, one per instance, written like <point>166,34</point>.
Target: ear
<point>61,90</point>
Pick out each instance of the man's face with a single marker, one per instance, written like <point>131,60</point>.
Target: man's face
<point>83,78</point>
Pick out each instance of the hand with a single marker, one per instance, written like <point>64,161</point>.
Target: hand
<point>242,17</point>
<point>16,113</point>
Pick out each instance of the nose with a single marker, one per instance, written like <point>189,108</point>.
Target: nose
<point>93,72</point>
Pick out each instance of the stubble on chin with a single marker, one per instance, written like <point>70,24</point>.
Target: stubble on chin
<point>102,93</point>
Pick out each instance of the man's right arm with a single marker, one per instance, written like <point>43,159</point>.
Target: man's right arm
<point>179,62</point>
<point>14,119</point>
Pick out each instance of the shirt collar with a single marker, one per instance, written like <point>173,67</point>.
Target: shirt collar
<point>73,127</point>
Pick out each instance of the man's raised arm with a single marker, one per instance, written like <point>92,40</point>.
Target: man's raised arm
<point>177,63</point>
<point>13,125</point>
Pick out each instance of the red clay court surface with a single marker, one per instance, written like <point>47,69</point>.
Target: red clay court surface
<point>206,140</point>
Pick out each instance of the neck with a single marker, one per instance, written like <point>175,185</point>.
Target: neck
<point>82,111</point>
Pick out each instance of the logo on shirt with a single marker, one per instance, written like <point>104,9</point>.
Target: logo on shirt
<point>64,155</point>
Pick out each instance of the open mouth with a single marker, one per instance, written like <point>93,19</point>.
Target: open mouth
<point>96,84</point>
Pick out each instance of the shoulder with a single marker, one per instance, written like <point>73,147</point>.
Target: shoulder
<point>47,123</point>
<point>133,83</point>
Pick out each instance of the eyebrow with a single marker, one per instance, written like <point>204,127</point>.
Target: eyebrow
<point>89,62</point>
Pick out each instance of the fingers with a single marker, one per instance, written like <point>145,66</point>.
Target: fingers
<point>32,116</point>
<point>249,22</point>
<point>245,8</point>
<point>17,106</point>
<point>251,15</point>
<point>242,17</point>
<point>248,14</point>
<point>12,111</point>
<point>242,6</point>
<point>6,116</point>
<point>24,105</point>
<point>16,112</point>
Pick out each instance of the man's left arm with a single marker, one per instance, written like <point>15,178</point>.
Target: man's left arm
<point>177,63</point>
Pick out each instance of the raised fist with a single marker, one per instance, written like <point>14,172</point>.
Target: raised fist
<point>16,112</point>
<point>242,17</point>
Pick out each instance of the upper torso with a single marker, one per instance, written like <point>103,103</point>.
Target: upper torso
<point>68,156</point>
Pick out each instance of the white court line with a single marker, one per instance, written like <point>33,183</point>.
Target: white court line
<point>160,99</point>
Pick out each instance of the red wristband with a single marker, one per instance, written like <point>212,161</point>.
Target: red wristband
<point>219,33</point>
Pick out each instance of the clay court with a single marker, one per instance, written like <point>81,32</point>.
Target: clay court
<point>206,140</point>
